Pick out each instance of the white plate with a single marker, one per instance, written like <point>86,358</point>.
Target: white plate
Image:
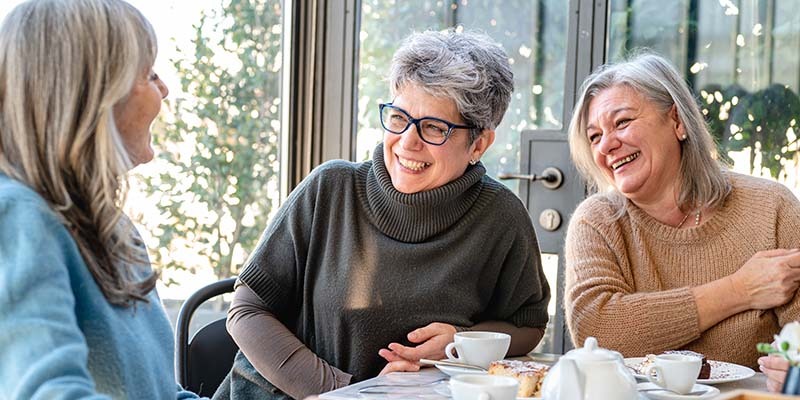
<point>453,371</point>
<point>444,390</point>
<point>721,372</point>
<point>708,392</point>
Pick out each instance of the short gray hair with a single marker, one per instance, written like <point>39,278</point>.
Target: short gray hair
<point>656,80</point>
<point>468,67</point>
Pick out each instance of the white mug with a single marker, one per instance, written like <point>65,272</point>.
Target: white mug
<point>674,372</point>
<point>483,387</point>
<point>478,348</point>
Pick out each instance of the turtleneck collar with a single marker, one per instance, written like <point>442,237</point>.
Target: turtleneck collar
<point>415,217</point>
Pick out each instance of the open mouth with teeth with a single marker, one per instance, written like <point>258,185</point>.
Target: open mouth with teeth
<point>413,165</point>
<point>625,160</point>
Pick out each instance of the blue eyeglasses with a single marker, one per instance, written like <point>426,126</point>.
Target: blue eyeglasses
<point>431,130</point>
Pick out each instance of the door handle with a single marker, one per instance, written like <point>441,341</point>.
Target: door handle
<point>551,177</point>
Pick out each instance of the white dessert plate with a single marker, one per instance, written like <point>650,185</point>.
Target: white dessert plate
<point>721,372</point>
<point>707,392</point>
<point>444,390</point>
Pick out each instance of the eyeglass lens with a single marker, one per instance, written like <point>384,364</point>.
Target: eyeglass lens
<point>431,130</point>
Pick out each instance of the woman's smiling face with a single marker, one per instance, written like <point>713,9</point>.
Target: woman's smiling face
<point>416,166</point>
<point>634,144</point>
<point>135,114</point>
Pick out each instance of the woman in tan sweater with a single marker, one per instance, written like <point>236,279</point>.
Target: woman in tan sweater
<point>673,251</point>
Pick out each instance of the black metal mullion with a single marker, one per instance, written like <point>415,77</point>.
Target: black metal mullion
<point>691,42</point>
<point>450,13</point>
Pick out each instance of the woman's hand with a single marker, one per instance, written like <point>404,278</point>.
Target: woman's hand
<point>768,279</point>
<point>400,366</point>
<point>774,368</point>
<point>432,340</point>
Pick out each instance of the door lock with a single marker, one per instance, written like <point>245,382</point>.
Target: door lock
<point>550,219</point>
<point>551,177</point>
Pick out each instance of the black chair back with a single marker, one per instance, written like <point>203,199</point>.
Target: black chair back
<point>202,363</point>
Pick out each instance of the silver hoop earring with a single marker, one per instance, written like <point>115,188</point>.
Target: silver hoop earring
<point>473,162</point>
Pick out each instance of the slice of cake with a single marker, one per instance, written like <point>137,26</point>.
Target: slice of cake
<point>529,374</point>
<point>641,368</point>
<point>705,369</point>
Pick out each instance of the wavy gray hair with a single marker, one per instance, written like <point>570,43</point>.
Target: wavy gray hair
<point>703,183</point>
<point>64,64</point>
<point>468,67</point>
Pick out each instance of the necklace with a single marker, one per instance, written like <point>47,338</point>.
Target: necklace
<point>685,217</point>
<point>682,221</point>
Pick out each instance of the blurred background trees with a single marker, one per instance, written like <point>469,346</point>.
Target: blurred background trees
<point>216,182</point>
<point>219,143</point>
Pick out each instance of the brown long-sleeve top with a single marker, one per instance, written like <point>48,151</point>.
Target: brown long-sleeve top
<point>629,280</point>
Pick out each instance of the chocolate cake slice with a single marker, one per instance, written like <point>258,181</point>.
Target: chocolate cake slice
<point>705,368</point>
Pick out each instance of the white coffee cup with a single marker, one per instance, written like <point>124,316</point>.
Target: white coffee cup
<point>478,348</point>
<point>483,387</point>
<point>674,372</point>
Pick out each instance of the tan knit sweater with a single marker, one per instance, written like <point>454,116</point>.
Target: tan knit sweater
<point>628,282</point>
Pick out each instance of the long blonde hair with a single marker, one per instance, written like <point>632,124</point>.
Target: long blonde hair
<point>703,183</point>
<point>64,64</point>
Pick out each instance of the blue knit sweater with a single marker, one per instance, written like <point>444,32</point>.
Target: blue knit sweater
<point>59,337</point>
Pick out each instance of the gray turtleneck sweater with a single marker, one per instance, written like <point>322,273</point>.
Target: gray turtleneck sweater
<point>349,264</point>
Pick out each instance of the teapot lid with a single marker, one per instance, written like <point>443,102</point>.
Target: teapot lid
<point>592,352</point>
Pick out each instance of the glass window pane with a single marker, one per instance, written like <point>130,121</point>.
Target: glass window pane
<point>215,183</point>
<point>550,266</point>
<point>659,26</point>
<point>534,33</point>
<point>741,59</point>
<point>378,42</point>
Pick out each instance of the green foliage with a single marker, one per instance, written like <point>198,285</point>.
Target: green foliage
<point>762,122</point>
<point>221,145</point>
<point>759,122</point>
<point>716,104</point>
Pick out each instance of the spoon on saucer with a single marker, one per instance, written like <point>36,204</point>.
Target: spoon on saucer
<point>445,363</point>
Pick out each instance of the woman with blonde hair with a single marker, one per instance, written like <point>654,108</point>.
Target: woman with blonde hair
<point>79,314</point>
<point>674,251</point>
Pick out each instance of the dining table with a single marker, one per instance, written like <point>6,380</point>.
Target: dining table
<point>432,384</point>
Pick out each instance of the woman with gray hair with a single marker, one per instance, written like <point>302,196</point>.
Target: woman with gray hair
<point>386,260</point>
<point>674,251</point>
<point>79,313</point>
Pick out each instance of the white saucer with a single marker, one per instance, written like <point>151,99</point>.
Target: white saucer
<point>708,392</point>
<point>453,371</point>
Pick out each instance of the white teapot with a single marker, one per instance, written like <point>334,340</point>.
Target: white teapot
<point>590,373</point>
